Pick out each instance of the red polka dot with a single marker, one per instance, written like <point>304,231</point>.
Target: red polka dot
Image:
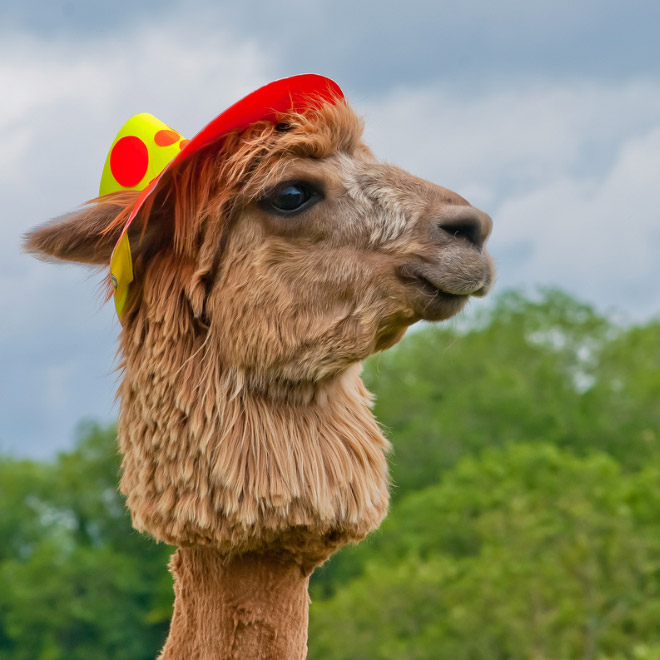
<point>165,138</point>
<point>183,143</point>
<point>129,161</point>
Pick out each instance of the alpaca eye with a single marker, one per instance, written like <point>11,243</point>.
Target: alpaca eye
<point>291,198</point>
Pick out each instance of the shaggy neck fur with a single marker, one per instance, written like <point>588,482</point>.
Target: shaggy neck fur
<point>277,480</point>
<point>209,462</point>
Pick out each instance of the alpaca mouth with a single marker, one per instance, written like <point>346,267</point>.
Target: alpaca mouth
<point>433,300</point>
<point>432,289</point>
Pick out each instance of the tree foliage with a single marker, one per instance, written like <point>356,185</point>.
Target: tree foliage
<point>525,552</point>
<point>76,582</point>
<point>525,519</point>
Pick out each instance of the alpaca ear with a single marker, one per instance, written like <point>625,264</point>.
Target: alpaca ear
<point>87,236</point>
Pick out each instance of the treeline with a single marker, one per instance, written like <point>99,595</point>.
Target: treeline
<point>525,522</point>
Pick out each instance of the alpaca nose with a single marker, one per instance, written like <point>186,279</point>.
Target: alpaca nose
<point>465,223</point>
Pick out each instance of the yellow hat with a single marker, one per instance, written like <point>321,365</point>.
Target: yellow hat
<point>140,152</point>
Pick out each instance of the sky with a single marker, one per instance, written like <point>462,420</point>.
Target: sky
<point>545,114</point>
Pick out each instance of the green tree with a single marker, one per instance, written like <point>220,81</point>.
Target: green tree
<point>527,552</point>
<point>529,370</point>
<point>621,409</point>
<point>76,582</point>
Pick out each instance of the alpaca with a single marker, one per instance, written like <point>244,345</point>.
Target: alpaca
<point>268,265</point>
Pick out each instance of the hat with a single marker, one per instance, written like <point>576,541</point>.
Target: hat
<point>145,148</point>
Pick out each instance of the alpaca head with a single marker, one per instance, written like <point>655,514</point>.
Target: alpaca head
<point>283,254</point>
<point>330,255</point>
<point>297,250</point>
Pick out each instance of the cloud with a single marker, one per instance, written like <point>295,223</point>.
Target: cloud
<point>371,46</point>
<point>596,237</point>
<point>511,136</point>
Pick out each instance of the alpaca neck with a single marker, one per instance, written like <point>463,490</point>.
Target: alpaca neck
<point>250,607</point>
<point>209,461</point>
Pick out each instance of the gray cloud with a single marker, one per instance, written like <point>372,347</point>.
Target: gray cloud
<point>78,18</point>
<point>371,46</point>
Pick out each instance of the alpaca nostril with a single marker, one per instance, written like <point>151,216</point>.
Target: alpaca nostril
<point>466,223</point>
<point>469,231</point>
